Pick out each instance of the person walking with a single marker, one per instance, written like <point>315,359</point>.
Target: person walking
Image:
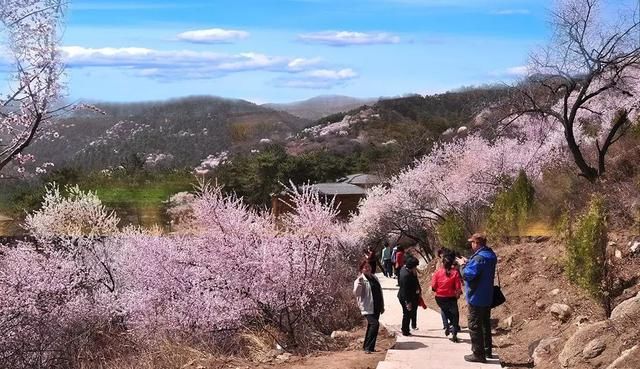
<point>387,267</point>
<point>399,262</point>
<point>408,292</point>
<point>447,287</point>
<point>478,273</point>
<point>368,294</point>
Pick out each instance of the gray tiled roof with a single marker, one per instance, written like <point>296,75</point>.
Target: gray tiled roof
<point>337,189</point>
<point>362,179</point>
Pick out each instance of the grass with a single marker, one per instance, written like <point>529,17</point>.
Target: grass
<point>137,199</point>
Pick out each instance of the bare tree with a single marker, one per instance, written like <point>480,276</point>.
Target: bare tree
<point>31,29</point>
<point>586,79</point>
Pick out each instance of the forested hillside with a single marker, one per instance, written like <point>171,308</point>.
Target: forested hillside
<point>175,133</point>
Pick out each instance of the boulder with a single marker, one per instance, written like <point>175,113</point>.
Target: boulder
<point>561,312</point>
<point>544,348</point>
<point>627,360</point>
<point>540,304</point>
<point>618,254</point>
<point>635,247</point>
<point>554,292</point>
<point>594,348</point>
<point>572,353</point>
<point>627,310</point>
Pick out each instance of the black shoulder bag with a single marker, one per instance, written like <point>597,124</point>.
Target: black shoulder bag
<point>498,296</point>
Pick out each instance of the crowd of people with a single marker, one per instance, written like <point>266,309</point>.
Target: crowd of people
<point>475,273</point>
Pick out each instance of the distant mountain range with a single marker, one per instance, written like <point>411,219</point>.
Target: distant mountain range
<point>183,132</point>
<point>320,106</point>
<point>173,133</point>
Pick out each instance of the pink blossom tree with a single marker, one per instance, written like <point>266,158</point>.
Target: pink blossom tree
<point>459,176</point>
<point>27,110</point>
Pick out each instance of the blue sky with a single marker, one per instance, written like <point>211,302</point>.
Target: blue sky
<point>284,50</point>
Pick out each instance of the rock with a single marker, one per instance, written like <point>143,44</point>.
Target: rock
<point>554,292</point>
<point>544,348</point>
<point>544,258</point>
<point>340,334</point>
<point>506,324</point>
<point>635,247</point>
<point>618,254</point>
<point>283,357</point>
<point>580,319</point>
<point>360,340</point>
<point>626,359</point>
<point>628,309</point>
<point>594,348</point>
<point>560,311</point>
<point>571,355</point>
<point>540,304</point>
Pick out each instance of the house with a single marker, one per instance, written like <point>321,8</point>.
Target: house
<point>346,194</point>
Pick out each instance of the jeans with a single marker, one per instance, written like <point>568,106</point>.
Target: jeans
<point>449,312</point>
<point>388,268</point>
<point>480,330</point>
<point>372,331</point>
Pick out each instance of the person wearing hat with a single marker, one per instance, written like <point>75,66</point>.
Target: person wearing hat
<point>478,273</point>
<point>408,293</point>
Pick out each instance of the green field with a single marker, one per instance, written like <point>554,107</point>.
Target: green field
<point>137,199</point>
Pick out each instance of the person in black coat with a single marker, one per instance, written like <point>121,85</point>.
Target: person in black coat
<point>408,293</point>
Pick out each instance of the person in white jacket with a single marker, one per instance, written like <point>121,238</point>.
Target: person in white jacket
<point>368,294</point>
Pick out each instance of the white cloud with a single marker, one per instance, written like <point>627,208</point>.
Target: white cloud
<point>512,72</point>
<point>347,38</point>
<point>318,79</point>
<point>512,12</point>
<point>212,36</point>
<point>519,71</point>
<point>183,64</point>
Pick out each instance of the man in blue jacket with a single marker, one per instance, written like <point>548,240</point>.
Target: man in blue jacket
<point>478,274</point>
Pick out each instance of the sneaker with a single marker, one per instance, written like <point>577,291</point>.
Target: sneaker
<point>454,339</point>
<point>367,351</point>
<point>447,331</point>
<point>474,359</point>
<point>407,334</point>
<point>414,328</point>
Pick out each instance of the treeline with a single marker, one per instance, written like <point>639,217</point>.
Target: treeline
<point>255,176</point>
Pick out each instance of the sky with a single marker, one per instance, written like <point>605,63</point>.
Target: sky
<point>286,50</point>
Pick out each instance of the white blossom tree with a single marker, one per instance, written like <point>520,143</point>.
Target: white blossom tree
<point>27,108</point>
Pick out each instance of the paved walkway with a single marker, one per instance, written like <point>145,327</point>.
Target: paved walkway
<point>428,347</point>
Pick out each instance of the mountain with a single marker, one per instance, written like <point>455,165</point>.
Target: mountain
<point>174,133</point>
<point>320,106</point>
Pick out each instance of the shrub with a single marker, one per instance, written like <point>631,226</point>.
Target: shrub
<point>452,233</point>
<point>511,208</point>
<point>586,244</point>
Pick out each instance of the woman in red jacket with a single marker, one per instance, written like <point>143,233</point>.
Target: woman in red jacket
<point>447,287</point>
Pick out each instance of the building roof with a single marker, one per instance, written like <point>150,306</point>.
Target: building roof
<point>340,188</point>
<point>362,179</point>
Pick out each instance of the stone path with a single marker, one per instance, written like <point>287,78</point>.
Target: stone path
<point>428,347</point>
